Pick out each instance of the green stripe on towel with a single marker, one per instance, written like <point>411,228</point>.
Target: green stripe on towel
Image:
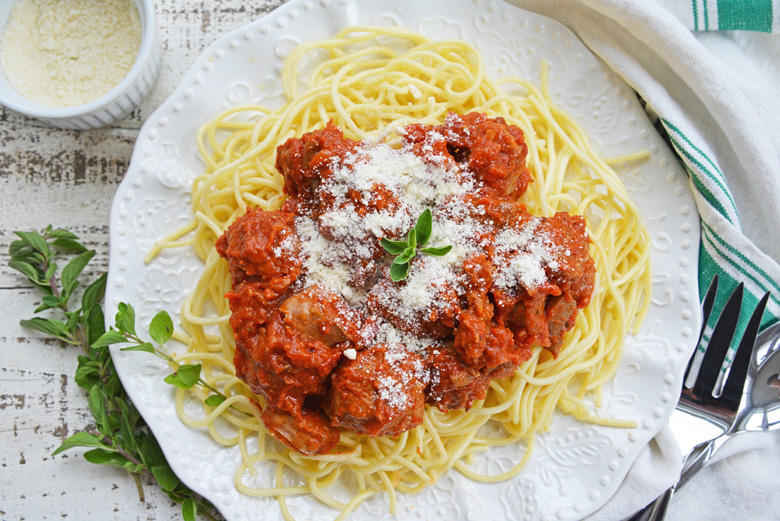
<point>745,15</point>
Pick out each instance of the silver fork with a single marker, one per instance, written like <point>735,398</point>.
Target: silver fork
<point>710,399</point>
<point>759,397</point>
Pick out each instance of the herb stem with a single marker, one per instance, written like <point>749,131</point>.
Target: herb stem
<point>81,338</point>
<point>209,387</point>
<point>203,510</point>
<point>134,338</point>
<point>140,487</point>
<point>162,353</point>
<point>116,448</point>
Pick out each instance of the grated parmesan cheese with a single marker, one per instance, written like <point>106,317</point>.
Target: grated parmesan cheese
<point>520,252</point>
<point>522,256</point>
<point>64,53</point>
<point>393,392</point>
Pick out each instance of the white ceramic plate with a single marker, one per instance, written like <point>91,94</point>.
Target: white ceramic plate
<point>576,467</point>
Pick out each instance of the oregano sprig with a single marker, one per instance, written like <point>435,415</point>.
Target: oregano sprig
<point>405,251</point>
<point>186,376</point>
<point>120,437</point>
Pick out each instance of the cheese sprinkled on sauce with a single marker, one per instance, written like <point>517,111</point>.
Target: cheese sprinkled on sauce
<point>356,224</point>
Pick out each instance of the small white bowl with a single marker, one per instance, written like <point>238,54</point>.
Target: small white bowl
<point>114,105</point>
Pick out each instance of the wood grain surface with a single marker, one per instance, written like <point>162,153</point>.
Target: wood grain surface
<point>68,179</point>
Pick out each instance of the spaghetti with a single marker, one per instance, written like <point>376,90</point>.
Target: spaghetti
<point>370,81</point>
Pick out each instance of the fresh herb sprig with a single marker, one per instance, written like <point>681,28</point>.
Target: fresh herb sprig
<point>406,250</point>
<point>120,437</point>
<point>186,376</point>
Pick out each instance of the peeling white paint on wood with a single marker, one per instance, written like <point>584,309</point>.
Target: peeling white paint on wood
<point>68,178</point>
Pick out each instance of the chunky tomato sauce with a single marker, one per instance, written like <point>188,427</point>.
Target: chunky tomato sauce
<point>325,335</point>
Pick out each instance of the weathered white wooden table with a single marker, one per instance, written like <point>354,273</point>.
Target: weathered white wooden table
<point>68,178</point>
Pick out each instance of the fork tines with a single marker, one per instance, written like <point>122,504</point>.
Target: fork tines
<point>734,377</point>
<point>708,382</point>
<point>719,343</point>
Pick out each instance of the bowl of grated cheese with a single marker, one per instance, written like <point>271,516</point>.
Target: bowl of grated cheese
<point>77,64</point>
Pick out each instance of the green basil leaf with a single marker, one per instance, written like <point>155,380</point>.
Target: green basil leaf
<point>146,347</point>
<point>35,258</point>
<point>128,425</point>
<point>393,247</point>
<point>398,272</point>
<point>113,424</point>
<point>215,400</point>
<point>161,328</point>
<point>73,321</point>
<point>105,457</point>
<point>185,376</point>
<point>97,406</point>
<point>124,408</point>
<point>164,476</point>
<point>150,451</point>
<point>69,244</point>
<point>59,233</point>
<point>133,468</point>
<point>87,377</point>
<point>412,239</point>
<point>405,257</point>
<point>94,293</point>
<point>113,386</point>
<point>50,272</point>
<point>81,439</point>
<point>34,241</point>
<point>51,300</point>
<point>189,509</point>
<point>95,323</point>
<point>48,325</point>
<point>125,318</point>
<point>48,302</point>
<point>28,270</point>
<point>17,248</point>
<point>73,269</point>
<point>108,338</point>
<point>424,226</point>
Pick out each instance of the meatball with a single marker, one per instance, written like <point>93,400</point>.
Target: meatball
<point>542,315</point>
<point>388,300</point>
<point>305,161</point>
<point>275,359</point>
<point>318,313</point>
<point>278,363</point>
<point>264,246</point>
<point>306,431</point>
<point>453,383</point>
<point>492,150</point>
<point>379,393</point>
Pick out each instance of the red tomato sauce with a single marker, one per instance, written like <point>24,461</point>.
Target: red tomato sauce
<point>365,353</point>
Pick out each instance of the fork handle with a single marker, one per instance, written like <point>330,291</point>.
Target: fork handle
<point>699,457</point>
<point>655,510</point>
<point>694,462</point>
